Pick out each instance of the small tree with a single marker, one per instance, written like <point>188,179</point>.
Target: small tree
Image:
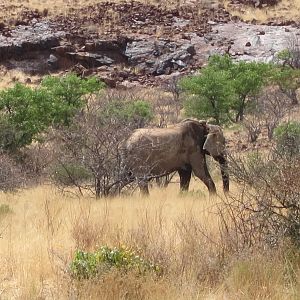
<point>273,106</point>
<point>291,56</point>
<point>210,94</point>
<point>247,80</point>
<point>288,80</point>
<point>253,125</point>
<point>89,150</point>
<point>66,95</point>
<point>224,87</point>
<point>27,112</point>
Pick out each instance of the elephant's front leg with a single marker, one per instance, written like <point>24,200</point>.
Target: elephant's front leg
<point>199,166</point>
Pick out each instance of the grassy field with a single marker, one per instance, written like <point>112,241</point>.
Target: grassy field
<point>40,230</point>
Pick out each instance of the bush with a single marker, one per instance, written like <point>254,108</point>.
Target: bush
<point>27,112</point>
<point>287,137</point>
<point>87,265</point>
<point>266,211</point>
<point>95,139</point>
<point>4,210</point>
<point>12,177</point>
<point>224,89</point>
<point>137,113</point>
<point>69,174</point>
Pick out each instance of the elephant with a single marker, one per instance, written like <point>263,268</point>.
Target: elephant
<point>153,152</point>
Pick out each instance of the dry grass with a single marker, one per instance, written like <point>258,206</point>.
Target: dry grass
<point>285,10</point>
<point>179,232</point>
<point>11,77</point>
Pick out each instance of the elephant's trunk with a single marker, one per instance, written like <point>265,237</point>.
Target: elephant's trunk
<point>221,159</point>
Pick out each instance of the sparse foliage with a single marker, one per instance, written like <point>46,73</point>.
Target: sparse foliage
<point>287,137</point>
<point>273,105</point>
<point>253,124</point>
<point>266,211</point>
<point>11,175</point>
<point>89,150</point>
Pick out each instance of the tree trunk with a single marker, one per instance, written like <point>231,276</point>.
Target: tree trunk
<point>98,188</point>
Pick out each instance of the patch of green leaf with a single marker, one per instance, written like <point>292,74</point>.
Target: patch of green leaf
<point>86,265</point>
<point>4,210</point>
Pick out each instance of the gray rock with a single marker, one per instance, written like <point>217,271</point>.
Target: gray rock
<point>158,57</point>
<point>24,39</point>
<point>91,59</point>
<point>266,40</point>
<point>52,61</point>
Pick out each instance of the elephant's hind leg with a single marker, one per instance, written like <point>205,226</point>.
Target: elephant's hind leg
<point>185,175</point>
<point>200,170</point>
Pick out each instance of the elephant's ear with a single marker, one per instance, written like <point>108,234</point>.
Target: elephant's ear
<point>215,141</point>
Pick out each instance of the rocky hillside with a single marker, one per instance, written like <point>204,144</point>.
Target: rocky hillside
<point>130,43</point>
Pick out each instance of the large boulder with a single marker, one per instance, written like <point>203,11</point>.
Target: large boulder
<point>28,38</point>
<point>157,57</point>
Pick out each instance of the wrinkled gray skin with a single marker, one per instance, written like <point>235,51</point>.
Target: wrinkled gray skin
<point>154,152</point>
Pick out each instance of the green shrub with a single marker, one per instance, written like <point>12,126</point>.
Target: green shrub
<point>209,95</point>
<point>139,112</point>
<point>4,210</point>
<point>87,265</point>
<point>26,112</point>
<point>69,174</point>
<point>224,89</point>
<point>287,137</point>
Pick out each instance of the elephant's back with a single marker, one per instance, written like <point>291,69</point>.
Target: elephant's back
<point>159,149</point>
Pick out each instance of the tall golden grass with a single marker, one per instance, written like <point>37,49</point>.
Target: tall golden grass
<point>180,232</point>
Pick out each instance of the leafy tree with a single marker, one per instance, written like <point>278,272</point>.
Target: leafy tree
<point>66,94</point>
<point>288,80</point>
<point>224,88</point>
<point>247,78</point>
<point>27,112</point>
<point>211,94</point>
<point>24,113</point>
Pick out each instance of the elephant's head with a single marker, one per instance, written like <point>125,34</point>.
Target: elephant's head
<point>214,145</point>
<point>215,141</point>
